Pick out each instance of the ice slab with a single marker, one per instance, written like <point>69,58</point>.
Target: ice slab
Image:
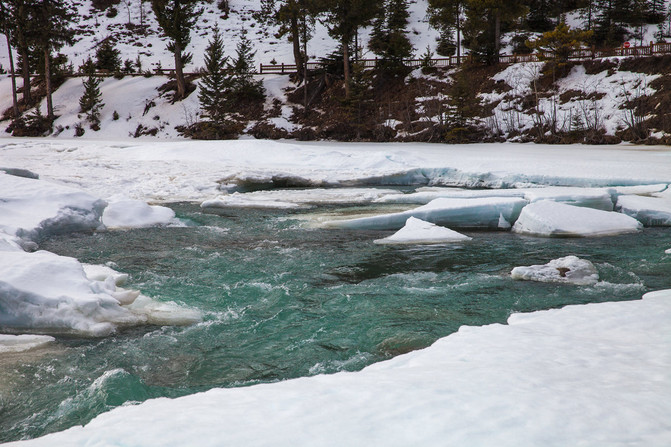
<point>597,198</point>
<point>487,212</point>
<point>427,194</point>
<point>547,218</point>
<point>22,343</point>
<point>593,375</point>
<point>650,211</point>
<point>296,198</point>
<point>569,269</point>
<point>32,209</point>
<point>136,214</point>
<point>45,292</point>
<point>417,231</point>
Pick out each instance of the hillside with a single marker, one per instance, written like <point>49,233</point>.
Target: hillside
<point>596,101</point>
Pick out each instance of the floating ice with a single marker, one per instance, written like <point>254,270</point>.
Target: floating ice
<point>45,292</point>
<point>296,198</point>
<point>427,194</point>
<point>650,211</point>
<point>136,214</point>
<point>32,209</point>
<point>417,231</point>
<point>24,342</point>
<point>486,212</point>
<point>547,218</point>
<point>569,269</point>
<point>597,198</point>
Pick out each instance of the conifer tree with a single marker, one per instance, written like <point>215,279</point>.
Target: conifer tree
<point>389,38</point>
<point>90,102</point>
<point>22,24</point>
<point>176,18</point>
<point>447,17</point>
<point>343,18</point>
<point>107,56</point>
<point>557,45</point>
<point>215,83</point>
<point>243,84</point>
<point>485,20</point>
<point>53,30</point>
<point>6,29</point>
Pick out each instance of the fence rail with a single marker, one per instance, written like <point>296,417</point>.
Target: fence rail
<point>579,54</point>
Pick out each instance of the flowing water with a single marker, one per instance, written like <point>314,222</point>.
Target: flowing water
<point>284,299</point>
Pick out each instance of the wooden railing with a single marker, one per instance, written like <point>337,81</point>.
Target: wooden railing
<point>580,54</point>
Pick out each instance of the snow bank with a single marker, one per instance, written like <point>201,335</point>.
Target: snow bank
<point>569,269</point>
<point>650,211</point>
<point>33,209</point>
<point>547,218</point>
<point>45,292</point>
<point>22,343</point>
<point>488,212</point>
<point>503,385</point>
<point>136,214</point>
<point>417,231</point>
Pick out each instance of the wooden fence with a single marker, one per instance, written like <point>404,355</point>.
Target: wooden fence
<point>580,54</point>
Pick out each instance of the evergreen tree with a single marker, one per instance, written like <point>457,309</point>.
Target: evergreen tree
<point>296,20</point>
<point>485,20</point>
<point>447,17</point>
<point>6,29</point>
<point>22,26</point>
<point>176,18</point>
<point>243,85</point>
<point>557,45</point>
<point>389,38</point>
<point>107,56</point>
<point>343,18</point>
<point>90,102</point>
<point>215,84</point>
<point>53,31</point>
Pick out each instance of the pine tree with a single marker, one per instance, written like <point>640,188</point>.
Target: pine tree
<point>6,25</point>
<point>389,38</point>
<point>485,22</point>
<point>107,56</point>
<point>176,18</point>
<point>343,18</point>
<point>90,102</point>
<point>557,45</point>
<point>243,85</point>
<point>53,31</point>
<point>447,17</point>
<point>215,84</point>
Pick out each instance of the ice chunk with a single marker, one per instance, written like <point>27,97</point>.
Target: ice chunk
<point>296,198</point>
<point>650,211</point>
<point>668,251</point>
<point>598,198</point>
<point>46,292</point>
<point>547,218</point>
<point>103,273</point>
<point>569,269</point>
<point>641,190</point>
<point>485,212</point>
<point>32,209</point>
<point>427,194</point>
<point>24,342</point>
<point>9,243</point>
<point>136,214</point>
<point>417,231</point>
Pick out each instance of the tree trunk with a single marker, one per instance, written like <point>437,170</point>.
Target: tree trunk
<point>296,41</point>
<point>15,101</point>
<point>179,73</point>
<point>458,21</point>
<point>25,72</point>
<point>47,81</point>
<point>497,35</point>
<point>345,58</point>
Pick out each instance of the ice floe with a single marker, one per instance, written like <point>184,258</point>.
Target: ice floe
<point>486,212</point>
<point>23,342</point>
<point>650,211</point>
<point>136,214</point>
<point>569,269</point>
<point>45,292</point>
<point>32,209</point>
<point>548,218</point>
<point>417,231</point>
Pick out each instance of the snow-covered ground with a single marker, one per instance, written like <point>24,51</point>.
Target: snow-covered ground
<point>583,375</point>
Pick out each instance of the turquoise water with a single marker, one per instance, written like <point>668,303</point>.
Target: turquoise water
<point>283,299</point>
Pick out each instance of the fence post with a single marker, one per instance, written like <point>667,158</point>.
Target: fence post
<point>652,48</point>
<point>282,67</point>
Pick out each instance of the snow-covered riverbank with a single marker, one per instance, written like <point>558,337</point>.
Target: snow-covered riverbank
<point>583,375</point>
